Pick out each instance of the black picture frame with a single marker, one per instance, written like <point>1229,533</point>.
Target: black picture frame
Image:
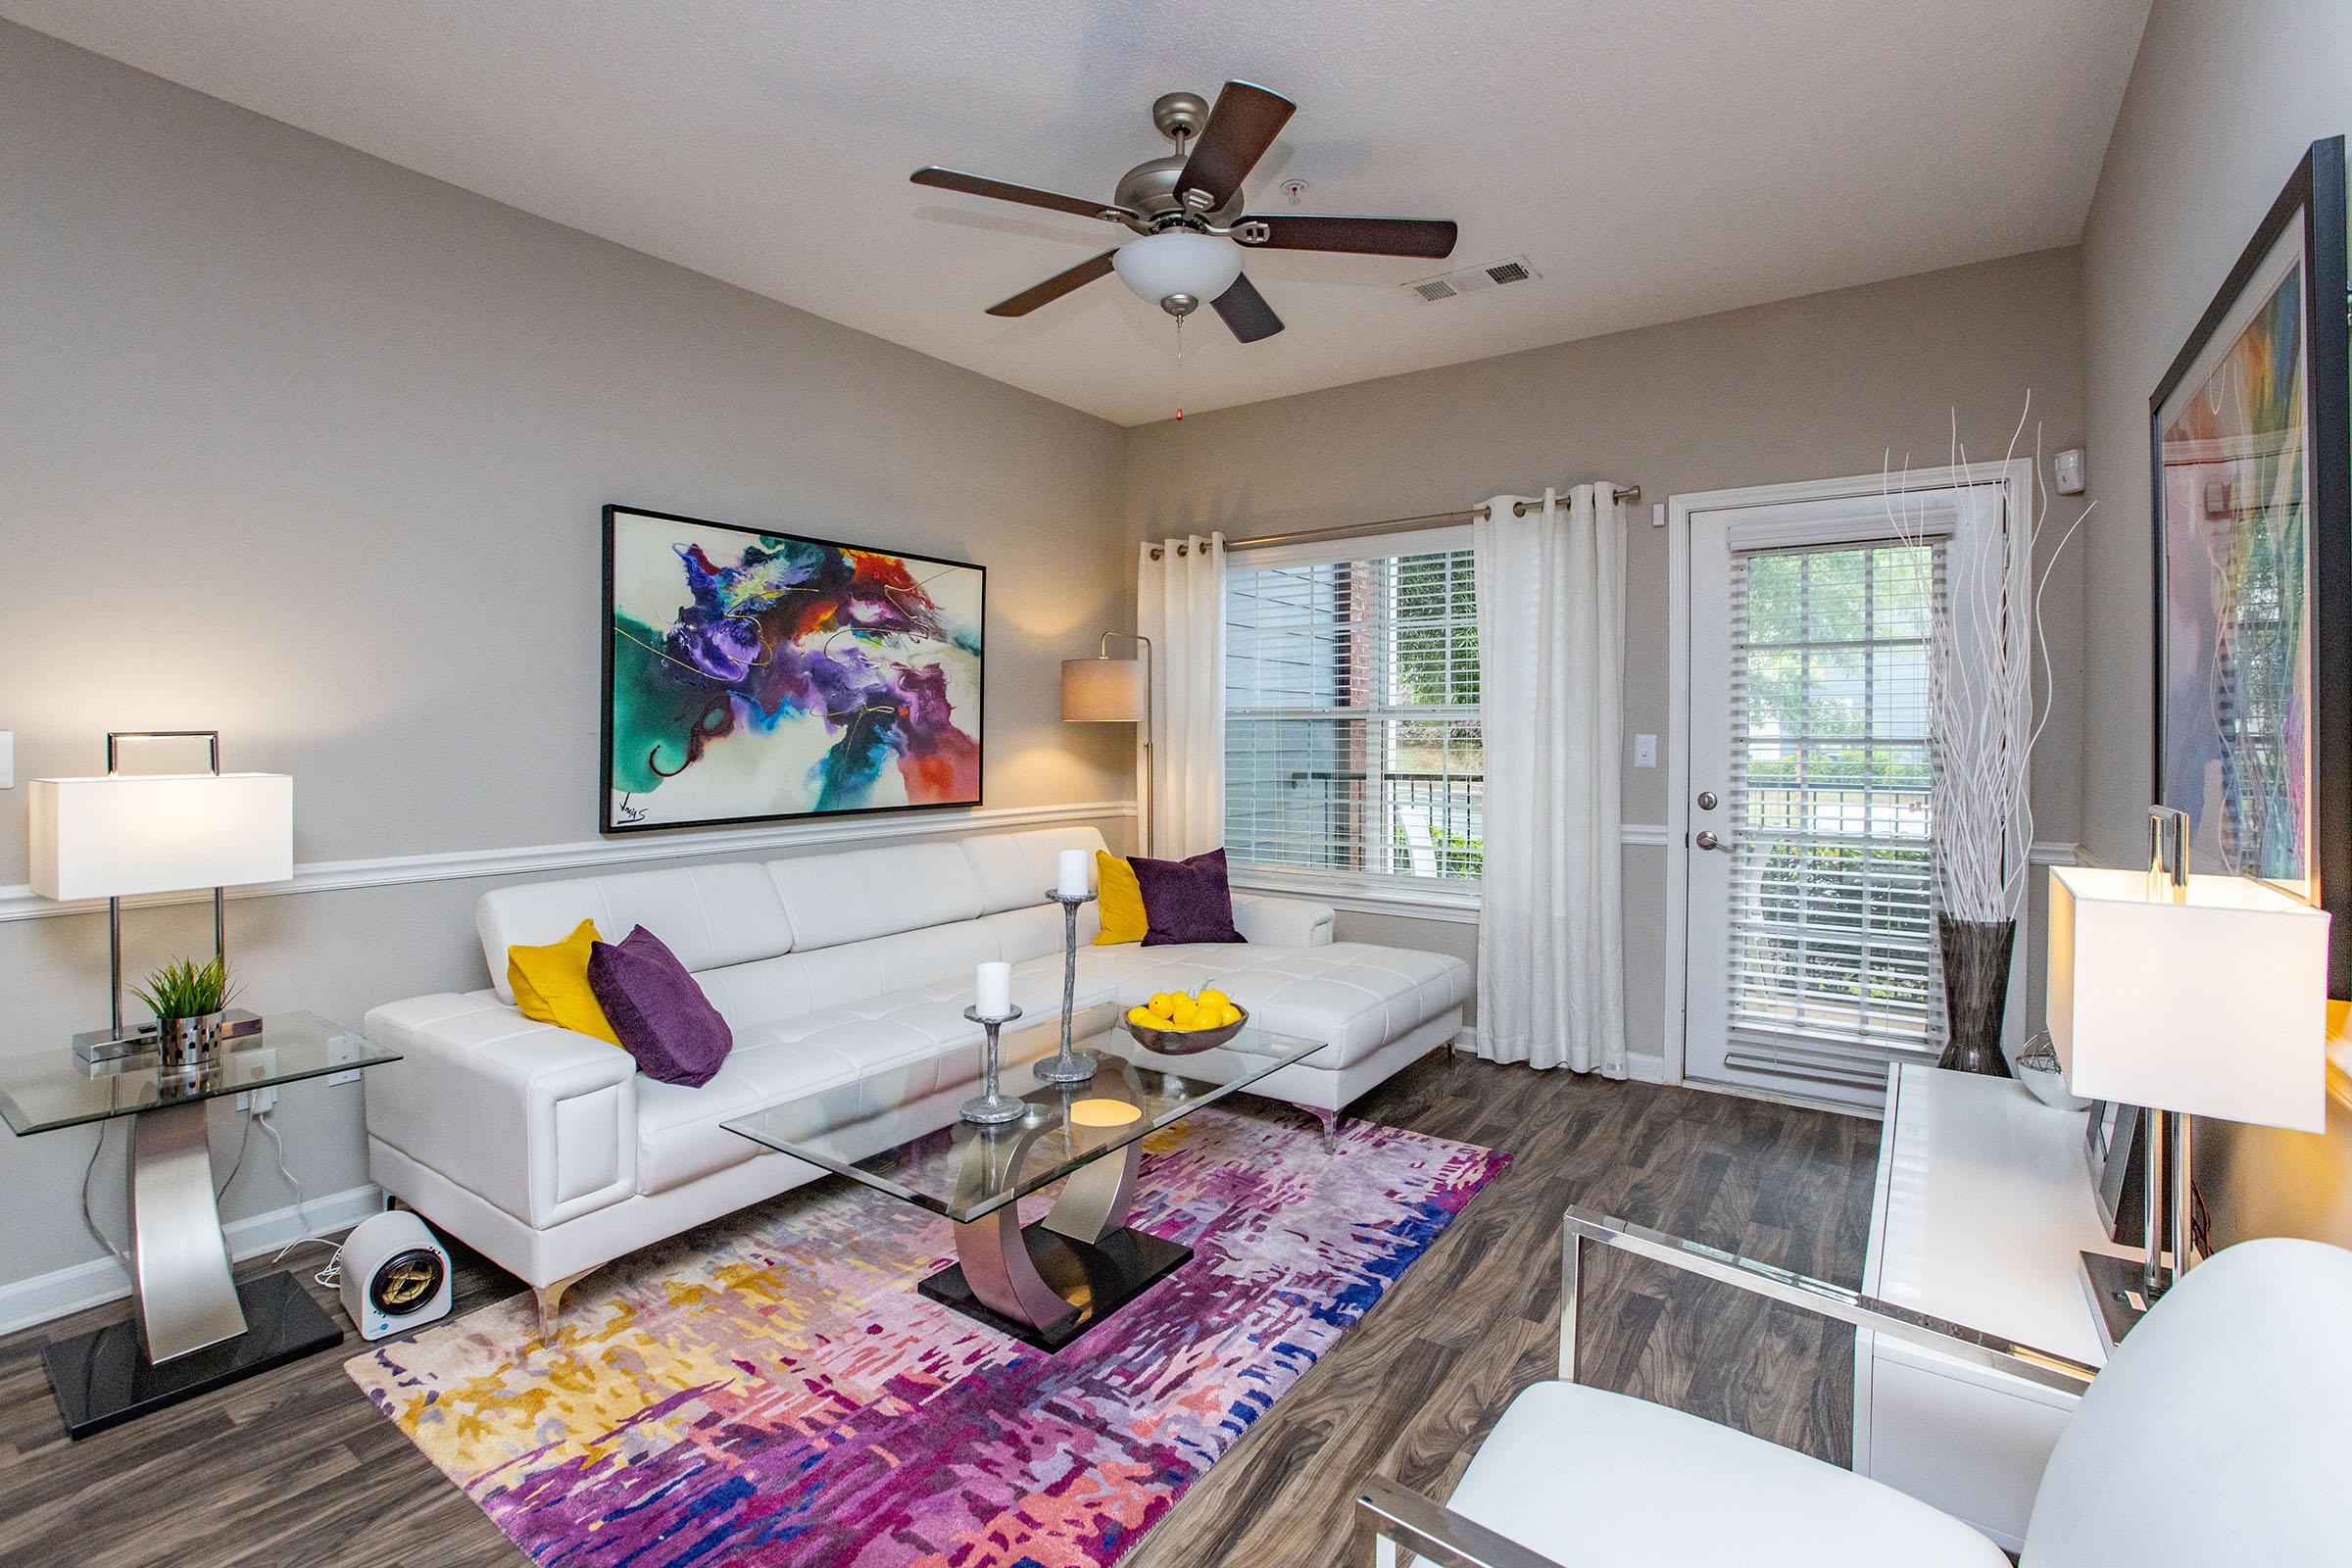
<point>2315,193</point>
<point>606,818</point>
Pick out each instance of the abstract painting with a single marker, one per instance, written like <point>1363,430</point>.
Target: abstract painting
<point>751,675</point>
<point>2233,456</point>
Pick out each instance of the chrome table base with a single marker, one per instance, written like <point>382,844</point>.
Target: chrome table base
<point>1048,1282</point>
<point>195,1328</point>
<point>187,1299</point>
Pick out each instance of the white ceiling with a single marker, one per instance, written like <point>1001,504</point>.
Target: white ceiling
<point>1652,159</point>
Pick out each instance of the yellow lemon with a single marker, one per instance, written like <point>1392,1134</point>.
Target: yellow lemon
<point>1186,1016</point>
<point>1213,998</point>
<point>1228,1013</point>
<point>1142,1018</point>
<point>1164,1003</point>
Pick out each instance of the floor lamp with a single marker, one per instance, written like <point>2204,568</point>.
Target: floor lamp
<point>1103,690</point>
<point>2193,996</point>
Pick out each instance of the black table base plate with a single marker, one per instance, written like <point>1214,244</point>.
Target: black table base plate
<point>1097,1278</point>
<point>101,1379</point>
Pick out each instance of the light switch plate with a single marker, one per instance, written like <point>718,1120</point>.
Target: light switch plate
<point>8,759</point>
<point>1646,751</point>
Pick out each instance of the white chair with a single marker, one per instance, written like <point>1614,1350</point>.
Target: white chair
<point>2216,1435</point>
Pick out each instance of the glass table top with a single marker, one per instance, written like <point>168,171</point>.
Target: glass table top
<point>49,1089</point>
<point>899,1131</point>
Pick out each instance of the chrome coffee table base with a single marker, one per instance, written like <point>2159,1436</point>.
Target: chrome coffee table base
<point>1048,1282</point>
<point>1104,1275</point>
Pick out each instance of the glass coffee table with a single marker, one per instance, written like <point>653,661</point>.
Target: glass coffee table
<point>1049,1282</point>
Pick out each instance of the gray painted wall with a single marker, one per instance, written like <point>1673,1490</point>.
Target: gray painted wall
<point>311,449</point>
<point>1805,389</point>
<point>256,379</point>
<point>2223,102</point>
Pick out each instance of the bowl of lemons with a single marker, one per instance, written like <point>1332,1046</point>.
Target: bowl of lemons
<point>1176,1023</point>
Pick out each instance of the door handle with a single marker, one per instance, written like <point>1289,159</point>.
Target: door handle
<point>1707,841</point>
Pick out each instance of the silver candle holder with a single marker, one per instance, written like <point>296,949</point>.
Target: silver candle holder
<point>1068,1066</point>
<point>992,1108</point>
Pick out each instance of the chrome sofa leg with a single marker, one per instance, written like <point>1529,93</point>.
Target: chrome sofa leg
<point>551,1299</point>
<point>1330,1130</point>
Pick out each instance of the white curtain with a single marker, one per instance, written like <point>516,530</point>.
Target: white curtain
<point>1552,658</point>
<point>1180,604</point>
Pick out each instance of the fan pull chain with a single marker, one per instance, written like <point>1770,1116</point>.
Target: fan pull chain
<point>1180,367</point>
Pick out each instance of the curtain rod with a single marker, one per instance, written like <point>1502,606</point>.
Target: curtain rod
<point>1626,494</point>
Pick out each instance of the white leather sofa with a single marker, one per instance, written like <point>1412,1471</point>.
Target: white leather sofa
<point>547,1151</point>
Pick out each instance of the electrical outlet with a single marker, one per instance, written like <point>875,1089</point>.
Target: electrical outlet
<point>344,1048</point>
<point>252,1066</point>
<point>1646,751</point>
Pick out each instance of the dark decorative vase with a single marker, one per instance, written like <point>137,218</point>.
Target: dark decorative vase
<point>1975,992</point>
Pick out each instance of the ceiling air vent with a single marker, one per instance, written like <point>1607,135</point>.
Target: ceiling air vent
<point>1473,279</point>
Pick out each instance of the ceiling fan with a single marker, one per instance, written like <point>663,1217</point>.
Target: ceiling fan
<point>1188,208</point>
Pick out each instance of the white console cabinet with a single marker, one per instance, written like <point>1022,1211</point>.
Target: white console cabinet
<point>1984,1205</point>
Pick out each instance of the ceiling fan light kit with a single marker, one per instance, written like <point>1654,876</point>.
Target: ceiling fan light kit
<point>1177,268</point>
<point>1189,215</point>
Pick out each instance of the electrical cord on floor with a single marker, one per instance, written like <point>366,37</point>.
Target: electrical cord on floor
<point>330,1276</point>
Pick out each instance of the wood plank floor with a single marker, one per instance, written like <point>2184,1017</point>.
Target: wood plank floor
<point>296,1468</point>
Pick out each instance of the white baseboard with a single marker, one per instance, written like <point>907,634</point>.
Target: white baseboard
<point>64,1290</point>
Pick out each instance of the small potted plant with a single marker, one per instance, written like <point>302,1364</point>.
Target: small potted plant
<point>187,999</point>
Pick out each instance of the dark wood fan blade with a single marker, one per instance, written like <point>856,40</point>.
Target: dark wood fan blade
<point>1247,312</point>
<point>1241,127</point>
<point>1054,287</point>
<point>1027,196</point>
<point>1360,236</point>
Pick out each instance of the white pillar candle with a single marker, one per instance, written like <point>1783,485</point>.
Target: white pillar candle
<point>1075,882</point>
<point>994,985</point>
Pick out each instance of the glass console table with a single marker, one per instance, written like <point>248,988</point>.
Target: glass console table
<point>1049,1282</point>
<point>195,1328</point>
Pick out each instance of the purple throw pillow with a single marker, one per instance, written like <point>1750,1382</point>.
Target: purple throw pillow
<point>660,1013</point>
<point>1185,901</point>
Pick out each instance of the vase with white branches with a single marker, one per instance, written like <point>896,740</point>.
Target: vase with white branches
<point>1984,645</point>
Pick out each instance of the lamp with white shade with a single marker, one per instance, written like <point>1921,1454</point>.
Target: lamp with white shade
<point>120,835</point>
<point>2193,996</point>
<point>1103,690</point>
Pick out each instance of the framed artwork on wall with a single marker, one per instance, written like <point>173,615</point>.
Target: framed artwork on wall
<point>751,675</point>
<point>2252,447</point>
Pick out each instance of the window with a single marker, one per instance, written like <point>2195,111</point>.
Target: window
<point>1832,928</point>
<point>1352,731</point>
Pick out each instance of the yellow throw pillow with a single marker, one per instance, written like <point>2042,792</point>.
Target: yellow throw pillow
<point>1120,902</point>
<point>551,983</point>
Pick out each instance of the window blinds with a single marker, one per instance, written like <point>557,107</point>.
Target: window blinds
<point>1834,967</point>
<point>1352,725</point>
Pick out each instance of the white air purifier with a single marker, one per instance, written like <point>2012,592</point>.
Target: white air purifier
<point>395,1275</point>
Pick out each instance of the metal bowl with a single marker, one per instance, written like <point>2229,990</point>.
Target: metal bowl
<point>1186,1042</point>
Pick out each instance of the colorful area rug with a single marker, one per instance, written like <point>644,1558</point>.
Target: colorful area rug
<point>774,1390</point>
